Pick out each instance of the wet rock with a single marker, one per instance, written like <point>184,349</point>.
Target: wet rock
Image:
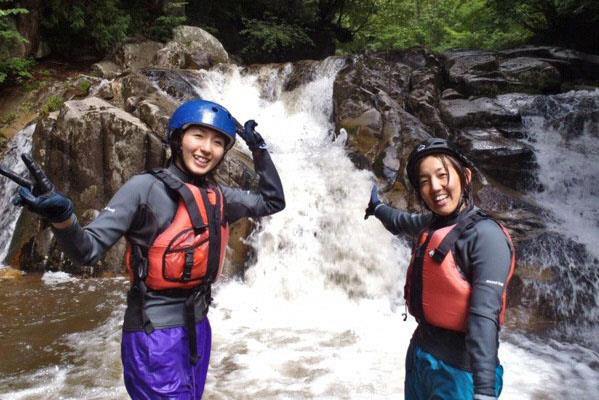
<point>573,65</point>
<point>302,72</point>
<point>524,220</point>
<point>481,112</point>
<point>134,56</point>
<point>558,277</point>
<point>451,94</point>
<point>370,96</point>
<point>154,117</point>
<point>531,75</point>
<point>180,84</point>
<point>89,152</point>
<point>474,73</point>
<point>423,100</point>
<point>528,70</point>
<point>200,47</point>
<point>510,162</point>
<point>106,69</point>
<point>171,56</point>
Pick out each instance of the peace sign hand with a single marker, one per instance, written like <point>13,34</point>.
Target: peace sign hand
<point>40,196</point>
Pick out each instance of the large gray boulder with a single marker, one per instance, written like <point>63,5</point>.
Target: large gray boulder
<point>191,48</point>
<point>136,55</point>
<point>88,152</point>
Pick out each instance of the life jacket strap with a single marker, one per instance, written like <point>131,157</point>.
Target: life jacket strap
<point>458,230</point>
<point>190,320</point>
<point>214,227</point>
<point>140,265</point>
<point>178,186</point>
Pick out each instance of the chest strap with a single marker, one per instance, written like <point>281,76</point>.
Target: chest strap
<point>462,226</point>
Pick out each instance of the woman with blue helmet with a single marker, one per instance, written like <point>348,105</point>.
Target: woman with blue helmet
<point>175,220</point>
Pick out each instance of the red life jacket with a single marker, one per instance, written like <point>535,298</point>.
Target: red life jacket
<point>190,252</point>
<point>436,290</point>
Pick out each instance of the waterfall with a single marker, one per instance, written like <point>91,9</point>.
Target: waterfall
<point>9,214</point>
<point>563,130</point>
<point>318,315</point>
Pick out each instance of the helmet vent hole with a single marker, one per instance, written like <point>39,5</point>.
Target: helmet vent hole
<point>214,109</point>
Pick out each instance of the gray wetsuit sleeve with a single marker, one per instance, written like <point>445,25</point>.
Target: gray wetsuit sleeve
<point>397,221</point>
<point>268,200</point>
<point>489,255</point>
<point>86,245</point>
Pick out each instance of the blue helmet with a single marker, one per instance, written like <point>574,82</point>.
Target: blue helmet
<point>203,113</point>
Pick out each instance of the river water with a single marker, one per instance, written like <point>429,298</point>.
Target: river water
<point>318,314</point>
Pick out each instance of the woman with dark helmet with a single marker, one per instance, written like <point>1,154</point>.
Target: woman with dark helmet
<point>456,283</point>
<point>176,223</point>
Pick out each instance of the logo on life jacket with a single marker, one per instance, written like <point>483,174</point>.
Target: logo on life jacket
<point>190,251</point>
<point>436,291</point>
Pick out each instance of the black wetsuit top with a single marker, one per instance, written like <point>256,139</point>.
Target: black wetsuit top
<point>144,207</point>
<point>484,255</point>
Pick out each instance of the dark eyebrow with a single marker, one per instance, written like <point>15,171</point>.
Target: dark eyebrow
<point>435,171</point>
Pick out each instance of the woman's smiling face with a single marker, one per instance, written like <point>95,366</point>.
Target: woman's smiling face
<point>202,149</point>
<point>439,184</point>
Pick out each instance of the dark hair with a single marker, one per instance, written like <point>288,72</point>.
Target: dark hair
<point>467,198</point>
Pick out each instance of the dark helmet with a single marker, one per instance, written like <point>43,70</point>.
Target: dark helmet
<point>432,146</point>
<point>203,113</point>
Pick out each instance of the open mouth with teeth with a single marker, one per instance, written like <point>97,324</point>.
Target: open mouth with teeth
<point>441,199</point>
<point>201,161</point>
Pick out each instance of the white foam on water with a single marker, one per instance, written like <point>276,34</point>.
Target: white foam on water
<point>56,278</point>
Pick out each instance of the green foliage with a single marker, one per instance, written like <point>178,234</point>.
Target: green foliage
<point>52,104</point>
<point>272,38</point>
<point>8,118</point>
<point>155,19</point>
<point>84,27</point>
<point>280,30</point>
<point>11,68</point>
<point>437,24</point>
<point>568,23</point>
<point>84,86</point>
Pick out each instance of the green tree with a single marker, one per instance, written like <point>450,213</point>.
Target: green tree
<point>281,30</point>
<point>569,23</point>
<point>94,27</point>
<point>81,28</point>
<point>12,67</point>
<point>437,24</point>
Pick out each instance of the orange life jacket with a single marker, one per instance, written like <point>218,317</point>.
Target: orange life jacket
<point>436,290</point>
<point>190,252</point>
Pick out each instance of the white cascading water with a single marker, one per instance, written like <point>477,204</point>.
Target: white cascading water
<point>563,129</point>
<point>9,214</point>
<point>317,316</point>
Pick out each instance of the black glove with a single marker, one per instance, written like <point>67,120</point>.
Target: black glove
<point>54,206</point>
<point>374,201</point>
<point>40,195</point>
<point>250,136</point>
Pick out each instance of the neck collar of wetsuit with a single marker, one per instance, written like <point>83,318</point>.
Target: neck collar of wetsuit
<point>185,176</point>
<point>441,221</point>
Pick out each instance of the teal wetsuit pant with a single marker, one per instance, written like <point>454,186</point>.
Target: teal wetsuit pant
<point>429,378</point>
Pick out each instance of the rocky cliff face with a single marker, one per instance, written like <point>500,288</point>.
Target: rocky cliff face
<point>387,102</point>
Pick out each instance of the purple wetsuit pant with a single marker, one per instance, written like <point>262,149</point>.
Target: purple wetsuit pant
<point>157,366</point>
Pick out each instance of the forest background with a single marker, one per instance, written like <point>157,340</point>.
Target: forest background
<point>262,31</point>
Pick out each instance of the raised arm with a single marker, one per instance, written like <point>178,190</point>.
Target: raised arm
<point>269,198</point>
<point>396,221</point>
